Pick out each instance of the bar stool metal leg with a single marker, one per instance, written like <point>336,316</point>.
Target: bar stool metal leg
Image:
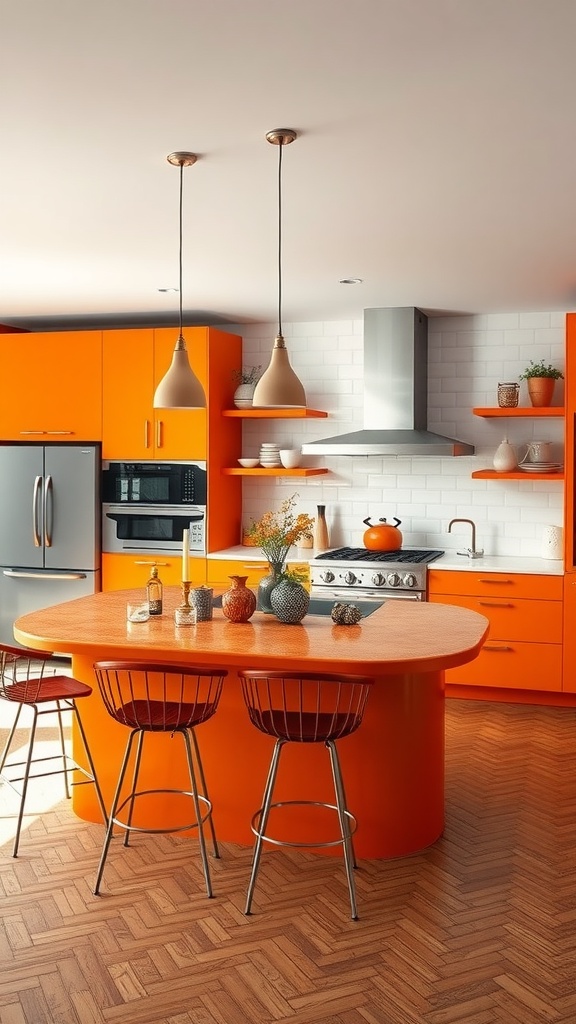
<point>347,845</point>
<point>113,809</point>
<point>197,811</point>
<point>192,734</point>
<point>261,820</point>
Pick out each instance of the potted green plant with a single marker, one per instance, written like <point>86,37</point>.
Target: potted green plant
<point>246,380</point>
<point>541,379</point>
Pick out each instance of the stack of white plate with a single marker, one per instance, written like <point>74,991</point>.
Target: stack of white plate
<point>541,467</point>
<point>269,455</point>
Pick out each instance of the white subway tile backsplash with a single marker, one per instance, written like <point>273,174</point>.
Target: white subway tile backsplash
<point>468,356</point>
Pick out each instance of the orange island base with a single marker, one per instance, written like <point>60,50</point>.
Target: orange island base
<point>393,765</point>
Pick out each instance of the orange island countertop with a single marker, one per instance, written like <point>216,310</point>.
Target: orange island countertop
<point>393,765</point>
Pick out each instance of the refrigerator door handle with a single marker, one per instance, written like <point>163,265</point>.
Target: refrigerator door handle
<point>48,493</point>
<point>44,575</point>
<point>35,499</point>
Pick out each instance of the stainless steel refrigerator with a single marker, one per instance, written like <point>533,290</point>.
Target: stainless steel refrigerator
<point>49,527</point>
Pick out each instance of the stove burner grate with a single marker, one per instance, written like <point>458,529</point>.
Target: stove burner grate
<point>392,557</point>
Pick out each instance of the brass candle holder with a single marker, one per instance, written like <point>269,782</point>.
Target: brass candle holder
<point>185,614</point>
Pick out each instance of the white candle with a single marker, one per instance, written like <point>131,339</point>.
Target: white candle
<point>185,549</point>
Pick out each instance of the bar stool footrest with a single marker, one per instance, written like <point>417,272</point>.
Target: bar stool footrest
<point>162,831</point>
<point>256,818</point>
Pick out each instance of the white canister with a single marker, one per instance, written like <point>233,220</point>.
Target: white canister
<point>505,458</point>
<point>552,542</point>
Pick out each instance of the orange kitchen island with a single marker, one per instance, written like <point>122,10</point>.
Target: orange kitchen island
<point>393,765</point>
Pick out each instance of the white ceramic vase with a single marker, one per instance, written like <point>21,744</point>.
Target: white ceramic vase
<point>505,458</point>
<point>243,396</point>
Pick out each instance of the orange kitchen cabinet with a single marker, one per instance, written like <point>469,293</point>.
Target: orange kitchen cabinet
<point>219,570</point>
<point>134,362</point>
<point>524,646</point>
<point>52,386</point>
<point>122,571</point>
<point>569,665</point>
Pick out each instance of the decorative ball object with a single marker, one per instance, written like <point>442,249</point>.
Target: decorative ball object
<point>346,614</point>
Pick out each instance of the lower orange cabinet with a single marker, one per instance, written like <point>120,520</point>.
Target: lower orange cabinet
<point>219,570</point>
<point>524,647</point>
<point>123,572</point>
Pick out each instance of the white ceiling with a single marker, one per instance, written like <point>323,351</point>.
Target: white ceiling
<point>436,157</point>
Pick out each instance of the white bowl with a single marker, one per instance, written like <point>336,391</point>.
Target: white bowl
<point>248,463</point>
<point>290,457</point>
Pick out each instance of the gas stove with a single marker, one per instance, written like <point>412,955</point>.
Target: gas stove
<point>358,573</point>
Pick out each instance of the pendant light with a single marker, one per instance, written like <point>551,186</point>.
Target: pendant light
<point>180,387</point>
<point>279,387</point>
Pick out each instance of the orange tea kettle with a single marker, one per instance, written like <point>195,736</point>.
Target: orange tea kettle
<point>383,536</point>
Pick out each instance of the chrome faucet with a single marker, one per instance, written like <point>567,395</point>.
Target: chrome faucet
<point>470,552</point>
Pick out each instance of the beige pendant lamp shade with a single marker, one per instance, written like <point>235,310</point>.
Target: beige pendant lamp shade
<point>279,387</point>
<point>180,387</point>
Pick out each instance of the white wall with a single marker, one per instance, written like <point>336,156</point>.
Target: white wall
<point>467,357</point>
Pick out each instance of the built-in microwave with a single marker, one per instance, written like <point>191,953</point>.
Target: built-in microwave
<point>154,483</point>
<point>152,528</point>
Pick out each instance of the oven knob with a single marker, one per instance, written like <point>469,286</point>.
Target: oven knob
<point>378,579</point>
<point>349,578</point>
<point>394,579</point>
<point>410,580</point>
<point>327,577</point>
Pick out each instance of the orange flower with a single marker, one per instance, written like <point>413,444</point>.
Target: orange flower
<point>276,532</point>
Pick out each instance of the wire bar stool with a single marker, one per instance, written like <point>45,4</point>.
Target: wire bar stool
<point>32,679</point>
<point>295,707</point>
<point>157,698</point>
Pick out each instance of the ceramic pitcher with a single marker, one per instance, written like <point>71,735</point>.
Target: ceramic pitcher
<point>538,451</point>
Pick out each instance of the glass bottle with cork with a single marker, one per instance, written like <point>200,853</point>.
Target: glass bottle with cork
<point>154,591</point>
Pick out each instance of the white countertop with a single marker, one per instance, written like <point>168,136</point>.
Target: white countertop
<point>500,563</point>
<point>450,560</point>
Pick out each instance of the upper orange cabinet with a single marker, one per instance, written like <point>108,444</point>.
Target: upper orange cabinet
<point>134,363</point>
<point>52,386</point>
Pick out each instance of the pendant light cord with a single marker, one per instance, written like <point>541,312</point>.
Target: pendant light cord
<point>280,148</point>
<point>180,247</point>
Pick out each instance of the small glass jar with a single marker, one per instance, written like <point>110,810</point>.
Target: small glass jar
<point>508,393</point>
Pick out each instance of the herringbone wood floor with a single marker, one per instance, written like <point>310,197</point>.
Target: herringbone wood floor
<point>480,928</point>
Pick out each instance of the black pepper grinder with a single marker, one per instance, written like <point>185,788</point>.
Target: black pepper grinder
<point>154,590</point>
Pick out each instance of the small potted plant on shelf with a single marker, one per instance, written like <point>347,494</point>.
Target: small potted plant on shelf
<point>541,379</point>
<point>246,380</point>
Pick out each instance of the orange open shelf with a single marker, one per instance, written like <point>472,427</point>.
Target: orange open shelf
<point>491,474</point>
<point>522,410</point>
<point>275,414</point>
<point>280,471</point>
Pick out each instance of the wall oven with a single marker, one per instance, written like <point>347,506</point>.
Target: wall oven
<point>148,505</point>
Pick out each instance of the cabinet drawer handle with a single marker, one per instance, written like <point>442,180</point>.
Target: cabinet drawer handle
<point>146,433</point>
<point>496,604</point>
<point>497,647</point>
<point>159,433</point>
<point>32,431</point>
<point>149,561</point>
<point>496,583</point>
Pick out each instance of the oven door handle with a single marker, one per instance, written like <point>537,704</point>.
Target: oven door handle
<point>377,596</point>
<point>193,512</point>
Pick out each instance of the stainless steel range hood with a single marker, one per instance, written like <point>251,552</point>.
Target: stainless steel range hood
<point>395,392</point>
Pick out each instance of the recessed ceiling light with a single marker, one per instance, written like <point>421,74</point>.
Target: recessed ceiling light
<point>351,280</point>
